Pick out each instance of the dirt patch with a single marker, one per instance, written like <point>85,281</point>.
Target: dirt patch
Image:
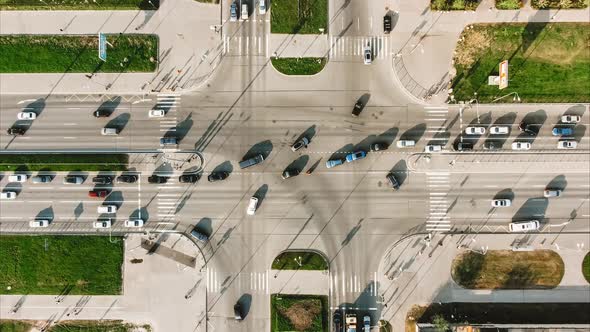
<point>471,44</point>
<point>302,314</point>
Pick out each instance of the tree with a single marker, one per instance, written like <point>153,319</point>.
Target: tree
<point>440,323</point>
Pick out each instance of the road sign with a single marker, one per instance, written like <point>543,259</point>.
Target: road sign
<point>102,46</point>
<point>503,75</point>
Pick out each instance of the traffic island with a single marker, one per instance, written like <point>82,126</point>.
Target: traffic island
<point>125,53</point>
<point>299,260</point>
<point>79,5</point>
<point>49,162</point>
<point>299,66</point>
<point>299,313</point>
<point>506,269</point>
<point>586,267</point>
<point>559,4</point>
<point>299,17</point>
<point>547,62</point>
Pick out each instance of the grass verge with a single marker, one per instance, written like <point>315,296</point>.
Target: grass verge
<point>561,4</point>
<point>302,16</point>
<point>79,4</point>
<point>299,313</point>
<point>299,66</point>
<point>506,269</point>
<point>77,54</point>
<point>454,4</point>
<point>14,326</point>
<point>508,4</point>
<point>503,313</point>
<point>289,260</point>
<point>64,162</point>
<point>586,267</point>
<point>547,62</point>
<point>77,265</point>
<point>97,326</point>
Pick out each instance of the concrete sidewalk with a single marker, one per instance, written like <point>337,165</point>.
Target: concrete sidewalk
<point>189,49</point>
<point>424,40</point>
<point>416,271</point>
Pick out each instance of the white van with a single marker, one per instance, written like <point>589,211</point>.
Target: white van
<point>7,195</point>
<point>109,131</point>
<point>107,209</point>
<point>524,226</point>
<point>244,11</point>
<point>38,223</point>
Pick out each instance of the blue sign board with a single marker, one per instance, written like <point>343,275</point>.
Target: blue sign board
<point>102,46</point>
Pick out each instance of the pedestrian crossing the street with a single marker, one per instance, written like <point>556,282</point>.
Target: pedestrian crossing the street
<point>439,186</point>
<point>346,46</point>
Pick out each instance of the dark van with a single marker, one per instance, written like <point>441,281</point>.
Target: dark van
<point>252,161</point>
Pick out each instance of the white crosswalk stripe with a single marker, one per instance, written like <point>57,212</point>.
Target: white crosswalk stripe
<point>251,282</point>
<point>353,46</point>
<point>246,45</point>
<point>439,184</point>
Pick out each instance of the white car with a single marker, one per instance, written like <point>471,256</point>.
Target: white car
<point>244,11</point>
<point>571,118</point>
<point>405,143</point>
<point>548,193</point>
<point>7,195</point>
<point>107,209</point>
<point>262,7</point>
<point>156,113</point>
<point>501,202</point>
<point>26,116</point>
<point>433,148</point>
<point>475,130</point>
<point>102,223</point>
<point>17,178</point>
<point>252,206</point>
<point>134,223</point>
<point>367,55</point>
<point>524,226</point>
<point>38,223</point>
<point>567,144</point>
<point>499,130</point>
<point>521,146</point>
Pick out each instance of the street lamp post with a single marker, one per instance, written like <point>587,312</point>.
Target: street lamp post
<point>298,261</point>
<point>516,97</point>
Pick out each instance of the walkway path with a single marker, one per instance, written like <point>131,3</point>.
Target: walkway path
<point>417,273</point>
<point>423,41</point>
<point>189,48</point>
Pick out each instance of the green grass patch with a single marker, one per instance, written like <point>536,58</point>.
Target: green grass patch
<point>79,4</point>
<point>506,269</point>
<point>289,260</point>
<point>77,54</point>
<point>508,4</point>
<point>78,265</point>
<point>586,267</point>
<point>454,4</point>
<point>14,326</point>
<point>547,62</point>
<point>561,4</point>
<point>299,66</point>
<point>97,326</point>
<point>299,313</point>
<point>64,162</point>
<point>301,16</point>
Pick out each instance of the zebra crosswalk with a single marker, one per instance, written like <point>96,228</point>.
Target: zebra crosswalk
<point>439,186</point>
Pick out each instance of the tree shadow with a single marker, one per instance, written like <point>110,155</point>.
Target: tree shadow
<point>119,122</point>
<point>164,169</point>
<point>245,302</point>
<point>205,226</point>
<point>36,107</point>
<point>225,166</point>
<point>115,198</point>
<point>468,271</point>
<point>46,214</point>
<point>520,276</point>
<point>309,133</point>
<point>110,105</point>
<point>351,234</point>
<point>559,183</point>
<point>400,170</point>
<point>415,133</point>
<point>343,151</point>
<point>506,193</point>
<point>261,193</point>
<point>579,132</point>
<point>183,127</point>
<point>141,213</point>
<point>264,148</point>
<point>388,136</point>
<point>532,209</point>
<point>299,163</point>
<point>534,121</point>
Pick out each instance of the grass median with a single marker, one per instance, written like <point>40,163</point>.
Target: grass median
<point>506,269</point>
<point>302,16</point>
<point>299,260</point>
<point>508,4</point>
<point>79,4</point>
<point>14,326</point>
<point>586,267</point>
<point>47,265</point>
<point>559,4</point>
<point>64,162</point>
<point>299,66</point>
<point>299,313</point>
<point>98,326</point>
<point>547,62</point>
<point>454,4</point>
<point>77,54</point>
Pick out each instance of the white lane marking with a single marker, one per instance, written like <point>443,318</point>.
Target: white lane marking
<point>73,108</point>
<point>25,101</point>
<point>70,124</point>
<point>69,137</point>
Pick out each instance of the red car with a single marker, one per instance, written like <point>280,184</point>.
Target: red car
<point>98,193</point>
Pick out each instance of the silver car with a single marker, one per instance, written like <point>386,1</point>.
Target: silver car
<point>501,202</point>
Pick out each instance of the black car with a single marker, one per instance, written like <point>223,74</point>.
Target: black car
<point>387,23</point>
<point>302,143</point>
<point>217,176</point>
<point>491,145</point>
<point>529,129</point>
<point>289,173</point>
<point>463,146</point>
<point>101,113</point>
<point>157,179</point>
<point>102,179</point>
<point>337,320</point>
<point>238,315</point>
<point>392,181</point>
<point>379,146</point>
<point>189,178</point>
<point>15,131</point>
<point>127,178</point>
<point>358,108</point>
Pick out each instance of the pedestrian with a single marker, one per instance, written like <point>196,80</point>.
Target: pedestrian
<point>385,304</point>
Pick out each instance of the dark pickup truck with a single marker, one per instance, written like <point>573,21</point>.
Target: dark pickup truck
<point>387,23</point>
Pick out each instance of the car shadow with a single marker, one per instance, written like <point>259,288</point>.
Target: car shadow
<point>264,148</point>
<point>532,209</point>
<point>415,133</point>
<point>261,193</point>
<point>119,122</point>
